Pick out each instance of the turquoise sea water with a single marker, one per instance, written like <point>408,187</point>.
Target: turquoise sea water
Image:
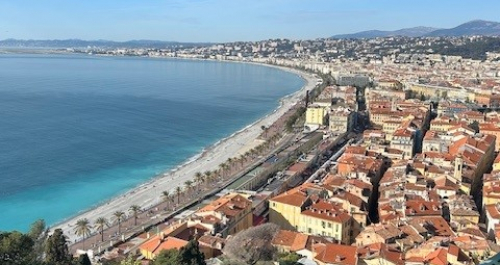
<point>78,130</point>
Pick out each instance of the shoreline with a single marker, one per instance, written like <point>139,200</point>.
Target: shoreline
<point>147,194</point>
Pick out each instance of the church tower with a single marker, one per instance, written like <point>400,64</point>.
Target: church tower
<point>457,174</point>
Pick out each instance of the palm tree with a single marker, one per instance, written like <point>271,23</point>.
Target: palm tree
<point>208,175</point>
<point>236,161</point>
<point>258,149</point>
<point>188,184</point>
<point>135,210</point>
<point>178,192</point>
<point>119,215</point>
<point>100,223</point>
<point>168,197</point>
<point>222,168</point>
<point>226,169</point>
<point>198,178</point>
<point>252,153</point>
<point>82,229</point>
<point>242,160</point>
<point>265,129</point>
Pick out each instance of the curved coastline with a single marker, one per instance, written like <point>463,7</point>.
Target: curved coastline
<point>147,194</point>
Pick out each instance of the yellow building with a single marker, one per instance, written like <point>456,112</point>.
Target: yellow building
<point>491,189</point>
<point>379,116</point>
<point>465,218</point>
<point>296,210</point>
<point>341,120</point>
<point>326,219</point>
<point>391,84</point>
<point>390,126</point>
<point>315,115</point>
<point>285,209</point>
<point>443,125</point>
<point>356,207</point>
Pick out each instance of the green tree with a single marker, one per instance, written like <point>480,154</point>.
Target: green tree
<point>99,224</point>
<point>56,249</point>
<point>289,258</point>
<point>16,248</point>
<point>130,261</point>
<point>222,169</point>
<point>208,175</point>
<point>167,257</point>
<point>165,195</point>
<point>168,197</point>
<point>119,215</point>
<point>199,179</point>
<point>135,210</point>
<point>191,254</point>
<point>187,255</point>
<point>37,228</point>
<point>178,191</point>
<point>475,126</point>
<point>83,260</point>
<point>226,167</point>
<point>265,130</point>
<point>82,229</point>
<point>188,184</point>
<point>422,97</point>
<point>38,233</point>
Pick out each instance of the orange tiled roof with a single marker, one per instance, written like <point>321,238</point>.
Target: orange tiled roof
<point>380,250</point>
<point>295,197</point>
<point>492,209</point>
<point>231,205</point>
<point>157,244</point>
<point>336,254</point>
<point>438,257</point>
<point>327,211</point>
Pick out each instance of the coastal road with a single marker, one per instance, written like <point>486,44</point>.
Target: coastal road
<point>157,215</point>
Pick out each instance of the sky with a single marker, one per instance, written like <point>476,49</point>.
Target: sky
<point>228,20</point>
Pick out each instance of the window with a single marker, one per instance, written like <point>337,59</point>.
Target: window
<point>337,227</point>
<point>329,225</point>
<point>309,230</point>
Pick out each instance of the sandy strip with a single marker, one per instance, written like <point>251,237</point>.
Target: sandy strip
<point>149,193</point>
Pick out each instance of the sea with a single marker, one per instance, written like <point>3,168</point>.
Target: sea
<point>77,130</point>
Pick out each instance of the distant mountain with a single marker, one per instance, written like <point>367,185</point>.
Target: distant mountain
<point>475,27</point>
<point>77,43</point>
<point>408,32</point>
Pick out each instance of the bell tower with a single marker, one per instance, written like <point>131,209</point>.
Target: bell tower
<point>457,173</point>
